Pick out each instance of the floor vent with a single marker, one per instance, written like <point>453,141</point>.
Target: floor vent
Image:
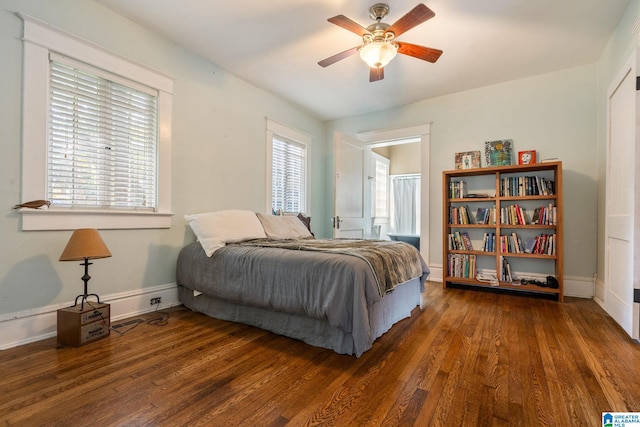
<point>127,323</point>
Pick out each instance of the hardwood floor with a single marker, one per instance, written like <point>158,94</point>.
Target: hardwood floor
<point>466,358</point>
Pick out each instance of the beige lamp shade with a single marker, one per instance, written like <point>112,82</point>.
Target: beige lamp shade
<point>85,243</point>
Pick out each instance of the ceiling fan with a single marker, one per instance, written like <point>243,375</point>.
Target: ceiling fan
<point>379,39</point>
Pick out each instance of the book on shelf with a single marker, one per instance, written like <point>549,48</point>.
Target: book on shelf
<point>526,186</point>
<point>460,215</point>
<point>505,270</point>
<point>460,265</point>
<point>488,242</point>
<point>481,216</point>
<point>529,245</point>
<point>543,244</point>
<point>466,240</point>
<point>545,215</point>
<point>535,219</point>
<point>509,244</point>
<point>485,215</point>
<point>517,243</point>
<point>460,241</point>
<point>457,189</point>
<point>513,215</point>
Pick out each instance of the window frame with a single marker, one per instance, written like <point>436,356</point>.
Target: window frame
<point>39,40</point>
<point>286,132</point>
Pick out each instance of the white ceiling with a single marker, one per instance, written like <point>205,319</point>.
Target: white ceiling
<point>277,44</point>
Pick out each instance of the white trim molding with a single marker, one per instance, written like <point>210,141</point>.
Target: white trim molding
<point>284,131</point>
<point>34,325</point>
<point>418,133</point>
<point>40,39</point>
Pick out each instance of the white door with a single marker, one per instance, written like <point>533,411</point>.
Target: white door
<point>351,213</point>
<point>621,195</point>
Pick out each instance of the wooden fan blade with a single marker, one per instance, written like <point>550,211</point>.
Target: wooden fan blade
<point>416,16</point>
<point>376,74</point>
<point>337,57</point>
<point>348,24</point>
<point>420,52</point>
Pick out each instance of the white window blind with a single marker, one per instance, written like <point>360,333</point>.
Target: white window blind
<point>288,169</point>
<point>102,140</point>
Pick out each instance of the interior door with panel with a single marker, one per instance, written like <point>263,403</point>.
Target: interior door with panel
<point>621,239</point>
<point>351,213</point>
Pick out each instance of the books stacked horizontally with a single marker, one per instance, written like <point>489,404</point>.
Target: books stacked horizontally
<point>526,186</point>
<point>459,265</point>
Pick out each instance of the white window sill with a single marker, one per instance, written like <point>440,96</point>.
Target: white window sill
<point>51,219</point>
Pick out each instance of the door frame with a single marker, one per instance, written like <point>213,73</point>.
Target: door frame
<point>424,133</point>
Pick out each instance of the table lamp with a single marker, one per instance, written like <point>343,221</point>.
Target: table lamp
<point>85,244</point>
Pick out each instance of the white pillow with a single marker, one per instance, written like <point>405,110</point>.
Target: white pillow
<point>215,229</point>
<point>283,227</point>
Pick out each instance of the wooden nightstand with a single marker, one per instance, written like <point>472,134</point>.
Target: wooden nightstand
<point>79,326</point>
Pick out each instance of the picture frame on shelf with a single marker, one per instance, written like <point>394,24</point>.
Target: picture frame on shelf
<point>499,152</point>
<point>468,160</point>
<point>527,157</point>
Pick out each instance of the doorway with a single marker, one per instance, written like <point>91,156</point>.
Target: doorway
<point>420,135</point>
<point>396,194</point>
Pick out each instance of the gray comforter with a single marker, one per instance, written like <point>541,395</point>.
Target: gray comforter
<point>336,287</point>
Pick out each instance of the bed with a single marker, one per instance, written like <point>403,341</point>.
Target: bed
<point>273,274</point>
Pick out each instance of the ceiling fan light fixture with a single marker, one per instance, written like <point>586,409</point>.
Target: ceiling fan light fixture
<point>378,53</point>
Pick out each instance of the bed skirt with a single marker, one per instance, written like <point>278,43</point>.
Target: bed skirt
<point>317,332</point>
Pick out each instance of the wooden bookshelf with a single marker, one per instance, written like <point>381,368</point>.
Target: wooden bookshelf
<point>516,193</point>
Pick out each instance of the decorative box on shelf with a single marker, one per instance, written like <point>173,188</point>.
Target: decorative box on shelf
<point>80,325</point>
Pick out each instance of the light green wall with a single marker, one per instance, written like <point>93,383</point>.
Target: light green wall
<point>554,114</point>
<point>218,157</point>
<point>617,52</point>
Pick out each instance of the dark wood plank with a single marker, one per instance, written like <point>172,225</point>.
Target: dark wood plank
<point>463,358</point>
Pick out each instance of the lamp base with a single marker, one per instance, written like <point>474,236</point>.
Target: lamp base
<point>85,279</point>
<point>85,297</point>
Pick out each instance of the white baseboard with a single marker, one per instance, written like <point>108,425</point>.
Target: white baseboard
<point>33,325</point>
<point>574,286</point>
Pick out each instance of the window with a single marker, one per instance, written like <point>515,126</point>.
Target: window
<point>380,197</point>
<point>101,141</point>
<point>288,178</point>
<point>287,152</point>
<point>101,126</point>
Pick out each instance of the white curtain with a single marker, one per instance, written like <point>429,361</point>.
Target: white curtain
<point>405,204</point>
